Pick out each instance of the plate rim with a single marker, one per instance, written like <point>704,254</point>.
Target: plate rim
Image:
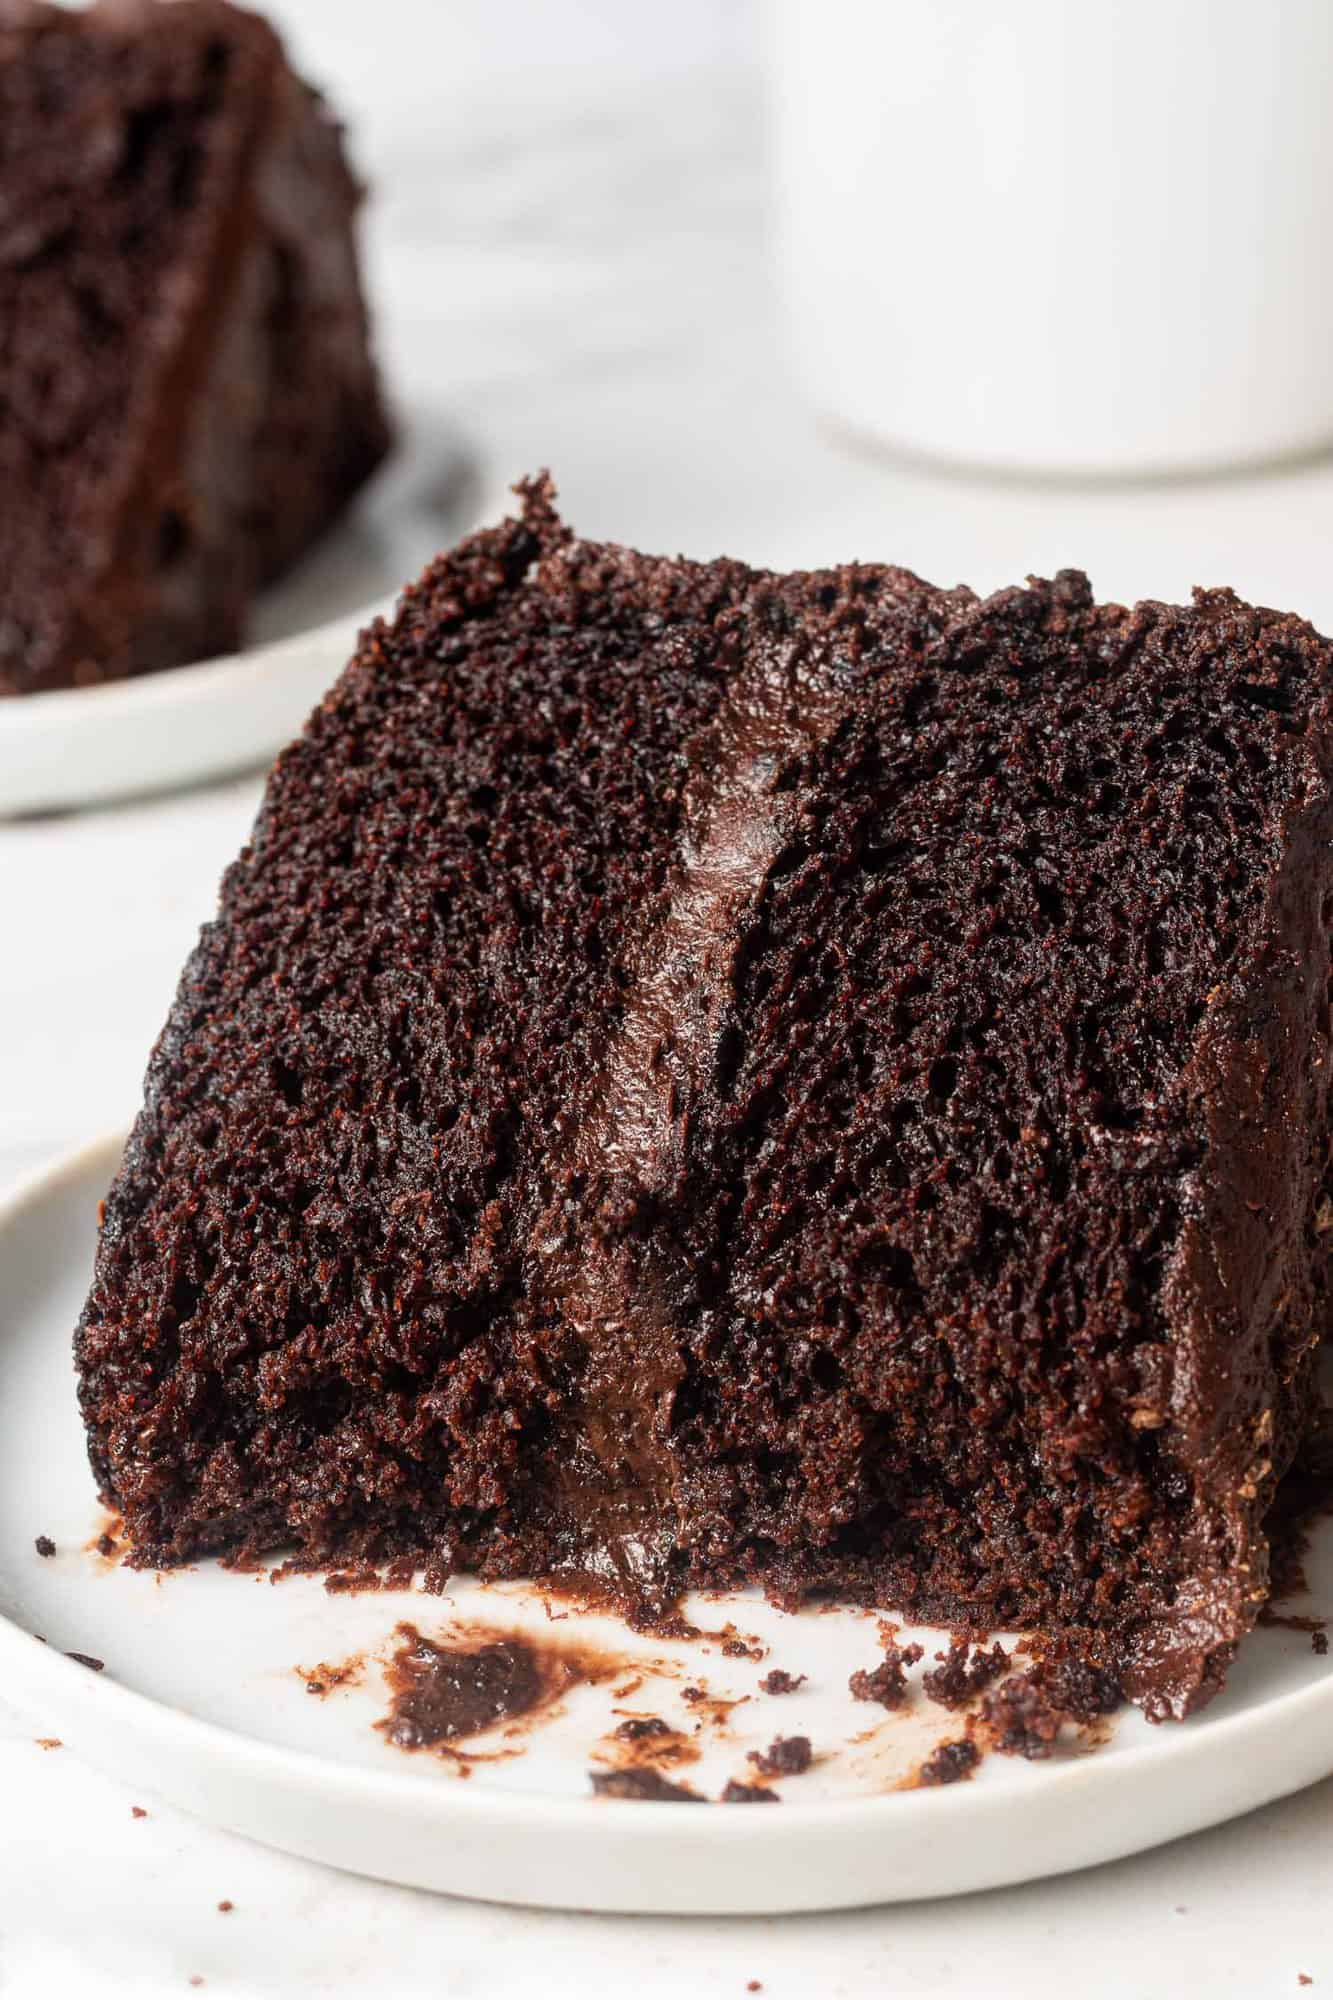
<point>37,1678</point>
<point>133,694</point>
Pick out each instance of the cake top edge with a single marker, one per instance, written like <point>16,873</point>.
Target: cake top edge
<point>535,546</point>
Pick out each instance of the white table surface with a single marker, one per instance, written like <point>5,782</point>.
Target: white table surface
<point>569,244</point>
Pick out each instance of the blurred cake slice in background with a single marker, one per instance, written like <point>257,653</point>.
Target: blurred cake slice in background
<point>187,397</point>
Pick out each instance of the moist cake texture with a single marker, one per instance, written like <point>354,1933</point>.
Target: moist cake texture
<point>186,394</point>
<point>705,1076</point>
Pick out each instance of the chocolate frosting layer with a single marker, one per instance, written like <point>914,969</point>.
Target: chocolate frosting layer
<point>611,1279</point>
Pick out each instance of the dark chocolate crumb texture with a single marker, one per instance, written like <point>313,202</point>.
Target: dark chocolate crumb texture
<point>186,394</point>
<point>703,1077</point>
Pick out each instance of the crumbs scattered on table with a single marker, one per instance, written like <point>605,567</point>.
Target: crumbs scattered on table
<point>739,1794</point>
<point>785,1757</point>
<point>886,1683</point>
<point>138,1812</point>
<point>779,1681</point>
<point>44,1545</point>
<point>88,1660</point>
<point>226,1906</point>
<point>49,1742</point>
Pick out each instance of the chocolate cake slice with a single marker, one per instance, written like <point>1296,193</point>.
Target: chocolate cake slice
<point>186,394</point>
<point>703,1076</point>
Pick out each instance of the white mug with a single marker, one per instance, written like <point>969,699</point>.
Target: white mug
<point>1062,236</point>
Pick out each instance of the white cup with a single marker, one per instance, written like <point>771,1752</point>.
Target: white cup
<point>1062,236</point>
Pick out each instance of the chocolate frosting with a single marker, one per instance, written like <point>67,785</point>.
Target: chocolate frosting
<point>614,1284</point>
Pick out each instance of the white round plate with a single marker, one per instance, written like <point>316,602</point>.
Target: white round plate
<point>204,1701</point>
<point>86,746</point>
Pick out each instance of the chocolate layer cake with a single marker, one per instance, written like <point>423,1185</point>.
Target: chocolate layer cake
<point>704,1076</point>
<point>186,394</point>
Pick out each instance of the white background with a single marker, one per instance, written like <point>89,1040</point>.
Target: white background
<point>568,249</point>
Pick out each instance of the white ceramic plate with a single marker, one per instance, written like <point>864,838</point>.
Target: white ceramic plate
<point>203,1701</point>
<point>86,746</point>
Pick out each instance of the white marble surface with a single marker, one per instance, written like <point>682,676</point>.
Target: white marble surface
<point>569,246</point>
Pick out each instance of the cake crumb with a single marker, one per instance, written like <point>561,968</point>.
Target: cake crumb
<point>353,1582</point>
<point>739,1794</point>
<point>957,1678</point>
<point>1319,1642</point>
<point>1025,1713</point>
<point>44,1545</point>
<point>50,1742</point>
<point>88,1660</point>
<point>778,1681</point>
<point>886,1683</point>
<point>754,1985</point>
<point>106,1545</point>
<point>950,1762</point>
<point>785,1757</point>
<point>138,1812</point>
<point>1023,1720</point>
<point>636,1727</point>
<point>226,1906</point>
<point>1304,1979</point>
<point>640,1784</point>
<point>326,1675</point>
